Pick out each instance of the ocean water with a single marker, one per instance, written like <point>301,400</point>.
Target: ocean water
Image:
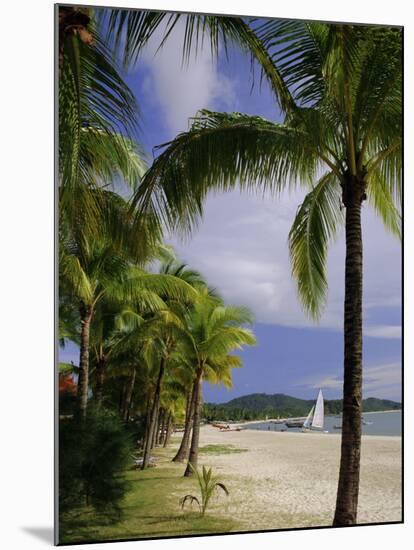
<point>383,423</point>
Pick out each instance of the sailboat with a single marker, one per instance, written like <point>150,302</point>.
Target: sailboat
<point>315,418</point>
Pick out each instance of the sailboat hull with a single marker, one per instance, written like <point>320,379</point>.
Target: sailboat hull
<point>294,424</point>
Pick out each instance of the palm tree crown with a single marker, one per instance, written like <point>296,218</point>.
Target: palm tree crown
<point>342,100</point>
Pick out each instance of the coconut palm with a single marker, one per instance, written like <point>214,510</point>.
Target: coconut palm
<point>166,329</point>
<point>98,271</point>
<point>339,89</point>
<point>98,113</point>
<point>184,448</point>
<point>111,324</point>
<point>98,119</point>
<point>212,331</point>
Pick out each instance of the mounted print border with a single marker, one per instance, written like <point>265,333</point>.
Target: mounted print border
<point>229,216</point>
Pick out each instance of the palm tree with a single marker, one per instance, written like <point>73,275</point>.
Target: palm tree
<point>339,89</point>
<point>212,330</point>
<point>92,93</point>
<point>184,448</point>
<point>112,323</point>
<point>97,270</point>
<point>165,328</point>
<point>98,113</point>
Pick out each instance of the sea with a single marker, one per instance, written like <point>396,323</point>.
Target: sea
<point>377,423</point>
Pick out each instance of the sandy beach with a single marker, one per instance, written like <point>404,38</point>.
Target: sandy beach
<point>284,480</point>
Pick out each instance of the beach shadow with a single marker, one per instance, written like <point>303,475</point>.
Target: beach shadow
<point>44,534</point>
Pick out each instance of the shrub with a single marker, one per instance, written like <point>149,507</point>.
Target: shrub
<point>93,454</point>
<point>207,484</point>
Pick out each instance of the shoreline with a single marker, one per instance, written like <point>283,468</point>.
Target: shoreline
<point>285,479</point>
<point>283,420</point>
<point>380,412</point>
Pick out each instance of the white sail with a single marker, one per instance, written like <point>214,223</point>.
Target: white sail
<point>317,421</point>
<point>307,422</point>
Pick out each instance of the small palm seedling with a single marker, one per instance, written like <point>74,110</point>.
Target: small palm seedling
<point>207,484</point>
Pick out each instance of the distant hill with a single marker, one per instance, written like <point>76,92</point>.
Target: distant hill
<point>259,405</point>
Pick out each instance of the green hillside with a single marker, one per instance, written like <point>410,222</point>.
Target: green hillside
<point>260,405</point>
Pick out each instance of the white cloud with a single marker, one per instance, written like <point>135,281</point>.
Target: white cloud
<point>181,89</point>
<point>384,331</point>
<point>328,383</point>
<point>241,248</point>
<point>383,380</point>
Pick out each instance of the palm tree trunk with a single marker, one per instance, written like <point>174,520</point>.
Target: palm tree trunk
<point>100,377</point>
<point>83,385</point>
<point>147,423</point>
<point>161,423</point>
<point>154,414</point>
<point>348,485</point>
<point>121,400</point>
<point>169,430</point>
<point>193,456</point>
<point>183,451</point>
<point>128,395</point>
<point>156,427</point>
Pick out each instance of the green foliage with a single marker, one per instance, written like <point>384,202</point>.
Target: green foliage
<point>149,508</point>
<point>220,151</point>
<point>66,368</point>
<point>314,226</point>
<point>340,89</point>
<point>93,454</point>
<point>134,28</point>
<point>221,449</point>
<point>257,406</point>
<point>207,484</point>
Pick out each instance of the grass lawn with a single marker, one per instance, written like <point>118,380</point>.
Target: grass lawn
<point>220,449</point>
<point>151,507</point>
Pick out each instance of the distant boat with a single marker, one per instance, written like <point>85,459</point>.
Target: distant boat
<point>294,423</point>
<point>315,418</point>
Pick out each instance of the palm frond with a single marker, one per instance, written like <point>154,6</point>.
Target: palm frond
<point>191,499</point>
<point>314,226</point>
<point>75,278</point>
<point>298,51</point>
<point>131,30</point>
<point>380,196</point>
<point>219,152</point>
<point>221,486</point>
<point>378,97</point>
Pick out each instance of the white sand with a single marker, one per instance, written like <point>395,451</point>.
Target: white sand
<point>289,479</point>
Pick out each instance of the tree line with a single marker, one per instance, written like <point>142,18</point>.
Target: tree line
<point>299,407</point>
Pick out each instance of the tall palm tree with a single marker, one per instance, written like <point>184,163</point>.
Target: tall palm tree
<point>98,113</point>
<point>339,89</point>
<point>211,332</point>
<point>188,386</point>
<point>166,329</point>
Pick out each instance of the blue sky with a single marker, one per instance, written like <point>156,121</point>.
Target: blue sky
<point>241,246</point>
